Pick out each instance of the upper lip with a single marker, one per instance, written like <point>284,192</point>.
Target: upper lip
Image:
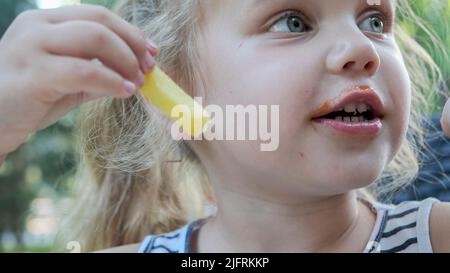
<point>362,93</point>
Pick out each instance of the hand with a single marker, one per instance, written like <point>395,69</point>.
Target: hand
<point>47,67</point>
<point>445,119</point>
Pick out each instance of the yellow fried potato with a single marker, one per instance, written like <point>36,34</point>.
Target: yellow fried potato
<point>165,94</point>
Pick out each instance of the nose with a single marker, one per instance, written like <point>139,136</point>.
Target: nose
<point>354,55</point>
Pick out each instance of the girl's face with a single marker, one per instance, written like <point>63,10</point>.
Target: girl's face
<point>252,54</point>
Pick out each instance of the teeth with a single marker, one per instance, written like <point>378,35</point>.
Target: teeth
<point>350,108</point>
<point>362,107</point>
<point>359,107</point>
<point>350,119</point>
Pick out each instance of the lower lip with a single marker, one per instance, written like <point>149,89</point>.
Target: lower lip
<point>365,128</point>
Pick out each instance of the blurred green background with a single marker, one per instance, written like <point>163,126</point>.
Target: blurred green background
<point>35,180</point>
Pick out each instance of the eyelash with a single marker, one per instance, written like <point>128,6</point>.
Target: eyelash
<point>387,20</point>
<point>289,13</point>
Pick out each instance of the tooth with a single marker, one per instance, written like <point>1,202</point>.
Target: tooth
<point>362,107</point>
<point>355,119</point>
<point>350,108</point>
<point>338,118</point>
<point>361,118</point>
<point>347,119</point>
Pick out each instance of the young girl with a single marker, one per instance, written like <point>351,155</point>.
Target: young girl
<point>322,62</point>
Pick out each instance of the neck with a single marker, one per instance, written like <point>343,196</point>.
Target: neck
<point>246,223</point>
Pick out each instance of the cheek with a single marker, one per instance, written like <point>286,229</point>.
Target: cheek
<point>400,92</point>
<point>397,84</point>
<point>285,83</point>
<point>248,80</point>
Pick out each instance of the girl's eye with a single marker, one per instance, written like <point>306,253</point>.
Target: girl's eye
<point>374,23</point>
<point>289,23</point>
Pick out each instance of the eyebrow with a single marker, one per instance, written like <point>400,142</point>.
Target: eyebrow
<point>260,3</point>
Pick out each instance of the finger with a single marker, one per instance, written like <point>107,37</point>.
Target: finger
<point>69,75</point>
<point>445,119</point>
<point>152,48</point>
<point>128,32</point>
<point>65,105</point>
<point>91,40</point>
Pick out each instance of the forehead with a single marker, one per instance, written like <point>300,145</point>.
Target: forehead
<point>253,5</point>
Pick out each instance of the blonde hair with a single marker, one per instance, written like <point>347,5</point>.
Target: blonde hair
<point>427,86</point>
<point>135,180</point>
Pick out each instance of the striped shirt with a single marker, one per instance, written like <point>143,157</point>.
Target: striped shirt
<point>398,228</point>
<point>402,228</point>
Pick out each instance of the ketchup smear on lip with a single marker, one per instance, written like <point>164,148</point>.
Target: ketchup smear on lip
<point>362,128</point>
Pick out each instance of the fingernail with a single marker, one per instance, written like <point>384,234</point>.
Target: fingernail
<point>152,48</point>
<point>149,62</point>
<point>151,45</point>
<point>129,87</point>
<point>141,79</point>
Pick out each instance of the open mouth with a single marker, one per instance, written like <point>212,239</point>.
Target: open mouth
<point>357,111</point>
<point>356,104</point>
<point>352,112</point>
